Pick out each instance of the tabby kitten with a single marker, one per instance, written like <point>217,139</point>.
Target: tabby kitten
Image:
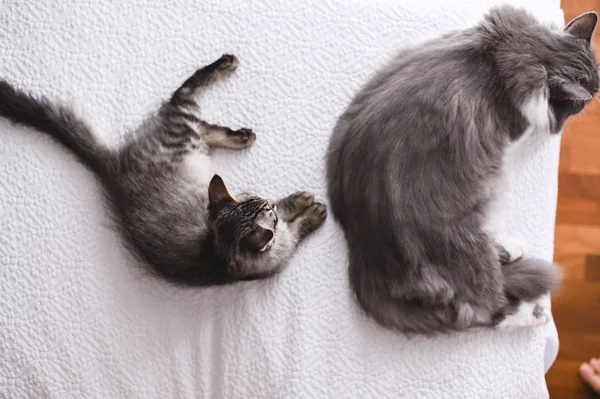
<point>414,164</point>
<point>172,210</point>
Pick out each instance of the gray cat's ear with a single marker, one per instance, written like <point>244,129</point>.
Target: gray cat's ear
<point>583,26</point>
<point>218,195</point>
<point>259,239</point>
<point>562,89</point>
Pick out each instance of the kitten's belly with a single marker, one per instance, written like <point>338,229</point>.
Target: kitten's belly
<point>199,167</point>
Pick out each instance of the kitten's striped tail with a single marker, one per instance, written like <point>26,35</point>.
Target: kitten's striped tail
<point>59,122</point>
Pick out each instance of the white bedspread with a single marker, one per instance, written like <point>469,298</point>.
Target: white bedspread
<point>78,320</point>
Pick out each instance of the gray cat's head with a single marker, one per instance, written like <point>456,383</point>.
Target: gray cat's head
<point>573,75</point>
<point>535,59</point>
<point>242,225</point>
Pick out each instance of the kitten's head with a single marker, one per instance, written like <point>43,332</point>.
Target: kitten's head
<point>242,225</point>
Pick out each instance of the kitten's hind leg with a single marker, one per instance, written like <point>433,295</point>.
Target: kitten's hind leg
<point>223,137</point>
<point>202,78</point>
<point>290,207</point>
<point>185,102</point>
<point>308,221</point>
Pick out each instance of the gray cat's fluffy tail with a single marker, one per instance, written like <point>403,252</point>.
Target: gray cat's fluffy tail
<point>58,122</point>
<point>528,279</point>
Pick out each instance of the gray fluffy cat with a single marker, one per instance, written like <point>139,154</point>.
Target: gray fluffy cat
<point>414,163</point>
<point>178,216</point>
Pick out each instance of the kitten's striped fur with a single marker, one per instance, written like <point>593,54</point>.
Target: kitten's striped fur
<point>171,208</point>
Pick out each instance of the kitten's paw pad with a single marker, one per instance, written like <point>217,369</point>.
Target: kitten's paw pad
<point>302,200</point>
<point>228,63</point>
<point>316,214</point>
<point>528,314</point>
<point>244,137</point>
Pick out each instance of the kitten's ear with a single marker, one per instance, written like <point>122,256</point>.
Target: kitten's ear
<point>583,26</point>
<point>218,196</point>
<point>259,239</point>
<point>562,89</point>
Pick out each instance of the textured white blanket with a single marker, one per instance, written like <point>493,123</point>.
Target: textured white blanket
<point>78,320</point>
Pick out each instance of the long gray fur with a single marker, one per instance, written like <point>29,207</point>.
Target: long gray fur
<point>414,161</point>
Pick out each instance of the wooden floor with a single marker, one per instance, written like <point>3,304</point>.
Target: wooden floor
<point>576,307</point>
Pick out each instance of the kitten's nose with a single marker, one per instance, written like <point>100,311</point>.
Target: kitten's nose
<point>271,203</point>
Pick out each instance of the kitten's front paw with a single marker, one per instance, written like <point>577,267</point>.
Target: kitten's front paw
<point>316,215</point>
<point>242,138</point>
<point>293,205</point>
<point>308,221</point>
<point>301,200</point>
<point>227,63</point>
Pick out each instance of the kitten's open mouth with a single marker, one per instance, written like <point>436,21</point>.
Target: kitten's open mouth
<point>267,245</point>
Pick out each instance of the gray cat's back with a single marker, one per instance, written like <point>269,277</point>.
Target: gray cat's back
<point>414,163</point>
<point>421,90</point>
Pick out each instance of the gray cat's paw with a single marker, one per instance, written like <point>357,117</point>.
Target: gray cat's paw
<point>503,255</point>
<point>516,249</point>
<point>228,63</point>
<point>527,314</point>
<point>242,138</point>
<point>541,313</point>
